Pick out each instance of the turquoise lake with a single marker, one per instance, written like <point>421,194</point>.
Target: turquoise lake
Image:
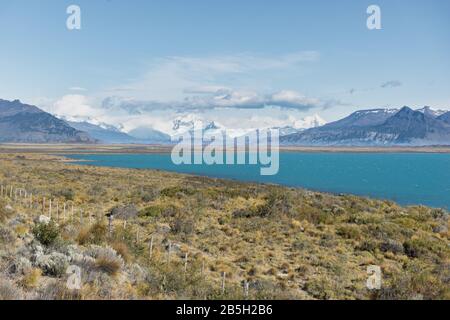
<point>407,178</point>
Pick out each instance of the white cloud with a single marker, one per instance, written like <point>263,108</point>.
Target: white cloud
<point>391,84</point>
<point>77,89</point>
<point>75,106</point>
<point>174,78</point>
<point>221,99</point>
<point>130,114</point>
<point>205,88</point>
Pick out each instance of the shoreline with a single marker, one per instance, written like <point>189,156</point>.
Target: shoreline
<point>276,235</point>
<point>73,161</point>
<point>163,149</point>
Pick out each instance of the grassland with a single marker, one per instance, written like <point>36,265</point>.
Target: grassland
<point>285,243</point>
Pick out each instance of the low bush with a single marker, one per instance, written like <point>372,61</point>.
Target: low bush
<point>6,235</point>
<point>95,234</point>
<point>46,233</point>
<point>349,232</point>
<point>31,279</point>
<point>152,211</point>
<point>172,192</point>
<point>123,250</point>
<point>108,262</point>
<point>8,291</point>
<point>183,224</point>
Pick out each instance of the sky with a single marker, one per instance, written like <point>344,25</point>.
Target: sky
<point>240,63</point>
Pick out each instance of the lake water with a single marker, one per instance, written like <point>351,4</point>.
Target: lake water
<point>407,178</point>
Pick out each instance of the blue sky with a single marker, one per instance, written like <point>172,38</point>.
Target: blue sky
<point>184,57</point>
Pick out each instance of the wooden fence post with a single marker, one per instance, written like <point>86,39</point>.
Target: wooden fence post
<point>185,262</point>
<point>169,252</point>
<point>224,274</point>
<point>246,287</point>
<point>151,247</point>
<point>203,267</point>
<point>110,223</point>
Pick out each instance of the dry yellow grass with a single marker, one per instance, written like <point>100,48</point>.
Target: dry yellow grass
<point>288,243</point>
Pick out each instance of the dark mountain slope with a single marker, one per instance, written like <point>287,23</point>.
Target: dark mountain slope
<point>22,123</point>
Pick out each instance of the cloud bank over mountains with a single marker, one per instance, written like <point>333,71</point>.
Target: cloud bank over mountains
<point>235,90</point>
<point>239,112</point>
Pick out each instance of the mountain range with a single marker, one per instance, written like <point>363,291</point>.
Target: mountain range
<point>111,135</point>
<point>23,123</point>
<point>379,127</point>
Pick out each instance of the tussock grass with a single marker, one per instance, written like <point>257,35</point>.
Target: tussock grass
<point>287,243</point>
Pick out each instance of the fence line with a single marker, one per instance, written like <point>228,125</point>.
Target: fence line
<point>28,200</point>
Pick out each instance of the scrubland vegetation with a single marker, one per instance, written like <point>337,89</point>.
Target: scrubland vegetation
<point>176,236</point>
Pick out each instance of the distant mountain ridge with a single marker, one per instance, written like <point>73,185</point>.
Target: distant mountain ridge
<point>379,127</point>
<point>445,117</point>
<point>103,134</point>
<point>23,123</point>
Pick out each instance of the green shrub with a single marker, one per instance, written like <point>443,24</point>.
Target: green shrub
<point>420,248</point>
<point>67,194</point>
<point>152,211</point>
<point>183,224</point>
<point>148,193</point>
<point>5,212</point>
<point>6,235</point>
<point>368,245</point>
<point>349,232</point>
<point>172,192</point>
<point>47,234</point>
<point>95,234</point>
<point>321,288</point>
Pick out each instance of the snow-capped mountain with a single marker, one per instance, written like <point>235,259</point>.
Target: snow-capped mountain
<point>378,127</point>
<point>104,134</point>
<point>149,135</point>
<point>183,125</point>
<point>362,118</point>
<point>431,112</point>
<point>308,122</point>
<point>210,127</point>
<point>89,120</point>
<point>111,135</point>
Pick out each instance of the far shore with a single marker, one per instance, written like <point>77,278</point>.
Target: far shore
<point>136,149</point>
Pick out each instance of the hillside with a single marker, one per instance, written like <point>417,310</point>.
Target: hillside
<point>179,237</point>
<point>379,127</point>
<point>22,123</point>
<point>103,135</point>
